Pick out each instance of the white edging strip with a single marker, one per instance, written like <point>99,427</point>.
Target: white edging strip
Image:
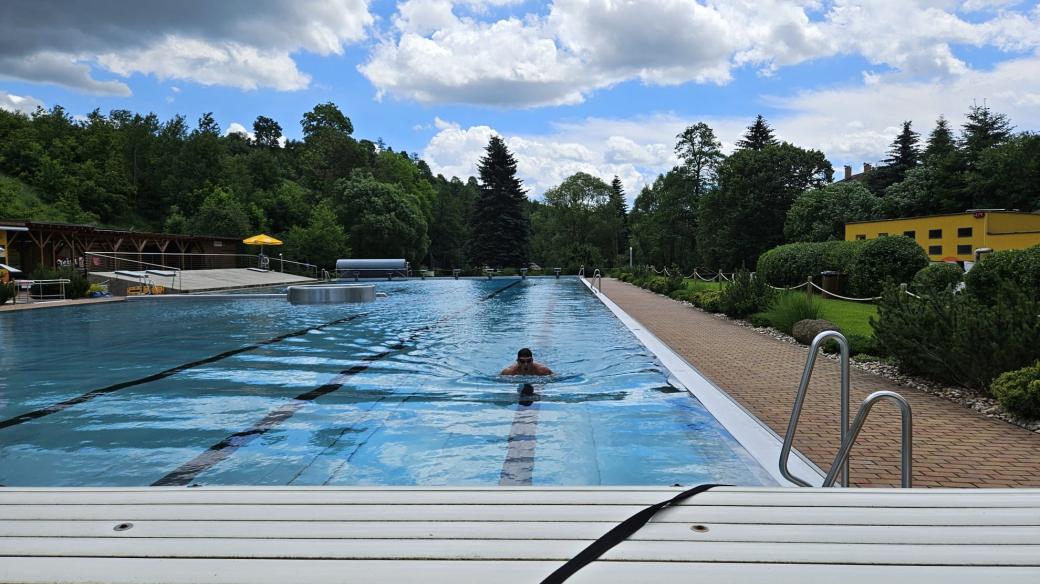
<point>756,437</point>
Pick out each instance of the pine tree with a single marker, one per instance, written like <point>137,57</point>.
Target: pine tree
<point>617,203</point>
<point>501,229</point>
<point>940,142</point>
<point>904,155</point>
<point>758,136</point>
<point>983,130</point>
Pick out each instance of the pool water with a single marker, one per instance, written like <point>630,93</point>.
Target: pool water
<point>401,391</point>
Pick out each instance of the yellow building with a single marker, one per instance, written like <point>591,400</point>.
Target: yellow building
<point>957,235</point>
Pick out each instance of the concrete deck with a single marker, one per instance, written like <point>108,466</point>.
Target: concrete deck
<point>213,280</point>
<point>58,303</point>
<point>953,446</point>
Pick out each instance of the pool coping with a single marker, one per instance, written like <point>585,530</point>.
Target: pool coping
<point>758,439</point>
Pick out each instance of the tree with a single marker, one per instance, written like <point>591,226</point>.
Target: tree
<point>1007,176</point>
<point>266,132</point>
<point>940,142</point>
<point>821,214</point>
<point>382,220</point>
<point>758,135</point>
<point>664,221</point>
<point>982,130</point>
<point>449,230</point>
<point>322,242</point>
<point>501,230</point>
<point>701,154</point>
<point>220,214</point>
<point>745,216</point>
<point>577,224</point>
<point>903,156</point>
<point>620,216</point>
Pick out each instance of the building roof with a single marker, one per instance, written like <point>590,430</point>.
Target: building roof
<point>82,228</point>
<point>968,212</point>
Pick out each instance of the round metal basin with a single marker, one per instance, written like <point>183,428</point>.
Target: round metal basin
<point>331,294</point>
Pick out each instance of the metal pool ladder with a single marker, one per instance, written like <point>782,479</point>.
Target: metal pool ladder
<point>840,464</point>
<point>597,281</point>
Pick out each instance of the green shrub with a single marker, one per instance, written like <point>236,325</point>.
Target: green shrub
<point>791,264</point>
<point>683,294</point>
<point>885,259</point>
<point>745,295</point>
<point>7,292</point>
<point>76,288</point>
<point>1020,267</point>
<point>858,345</point>
<point>791,307</point>
<point>657,284</point>
<point>956,338</point>
<point>937,277</point>
<point>708,300</point>
<point>1019,391</point>
<point>759,319</point>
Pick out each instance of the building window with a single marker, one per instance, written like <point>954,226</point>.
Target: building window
<point>963,250</point>
<point>910,234</point>
<point>861,237</point>
<point>882,235</point>
<point>964,232</point>
<point>934,250</point>
<point>935,234</point>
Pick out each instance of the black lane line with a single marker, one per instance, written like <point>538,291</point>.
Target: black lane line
<point>55,408</point>
<point>187,472</point>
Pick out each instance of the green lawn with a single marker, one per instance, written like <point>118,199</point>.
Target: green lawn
<point>851,317</point>
<point>698,285</point>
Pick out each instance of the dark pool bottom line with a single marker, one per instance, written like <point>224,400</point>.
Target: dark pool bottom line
<point>189,471</point>
<point>55,408</point>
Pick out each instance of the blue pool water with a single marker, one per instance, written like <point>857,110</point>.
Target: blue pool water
<point>401,391</point>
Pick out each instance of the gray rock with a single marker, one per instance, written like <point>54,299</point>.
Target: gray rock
<point>806,330</point>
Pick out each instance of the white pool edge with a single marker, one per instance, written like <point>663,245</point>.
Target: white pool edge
<point>760,441</point>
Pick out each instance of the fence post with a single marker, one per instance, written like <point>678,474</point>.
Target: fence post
<point>808,287</point>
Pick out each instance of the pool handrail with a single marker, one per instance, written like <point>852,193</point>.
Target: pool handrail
<point>799,400</point>
<point>906,445</point>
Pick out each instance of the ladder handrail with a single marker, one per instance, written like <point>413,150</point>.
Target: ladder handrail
<point>597,280</point>
<point>906,446</point>
<point>796,410</point>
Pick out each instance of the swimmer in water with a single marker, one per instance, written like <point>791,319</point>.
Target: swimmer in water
<point>525,365</point>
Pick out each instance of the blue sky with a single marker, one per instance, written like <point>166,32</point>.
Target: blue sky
<point>598,86</point>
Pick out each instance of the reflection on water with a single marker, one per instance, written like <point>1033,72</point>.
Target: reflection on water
<point>408,393</point>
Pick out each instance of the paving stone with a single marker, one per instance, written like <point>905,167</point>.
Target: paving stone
<point>953,446</point>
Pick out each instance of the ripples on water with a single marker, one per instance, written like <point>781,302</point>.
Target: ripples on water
<point>420,403</point>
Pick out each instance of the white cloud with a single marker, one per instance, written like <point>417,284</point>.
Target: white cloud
<point>439,54</point>
<point>850,125</point>
<point>237,128</point>
<point>25,104</point>
<point>238,44</point>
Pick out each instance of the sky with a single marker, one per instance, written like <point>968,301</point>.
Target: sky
<point>598,86</point>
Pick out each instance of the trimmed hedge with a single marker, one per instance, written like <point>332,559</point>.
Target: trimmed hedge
<point>1019,391</point>
<point>1021,267</point>
<point>937,277</point>
<point>791,264</point>
<point>892,259</point>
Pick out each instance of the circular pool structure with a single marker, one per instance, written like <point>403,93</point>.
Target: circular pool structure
<point>331,294</point>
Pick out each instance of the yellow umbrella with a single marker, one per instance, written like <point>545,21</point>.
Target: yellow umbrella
<point>262,240</point>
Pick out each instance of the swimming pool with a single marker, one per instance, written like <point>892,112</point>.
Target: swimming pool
<point>401,391</point>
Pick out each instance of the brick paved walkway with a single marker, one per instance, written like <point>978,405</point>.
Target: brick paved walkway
<point>953,446</point>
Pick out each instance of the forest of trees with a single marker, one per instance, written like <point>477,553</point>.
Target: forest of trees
<point>332,195</point>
